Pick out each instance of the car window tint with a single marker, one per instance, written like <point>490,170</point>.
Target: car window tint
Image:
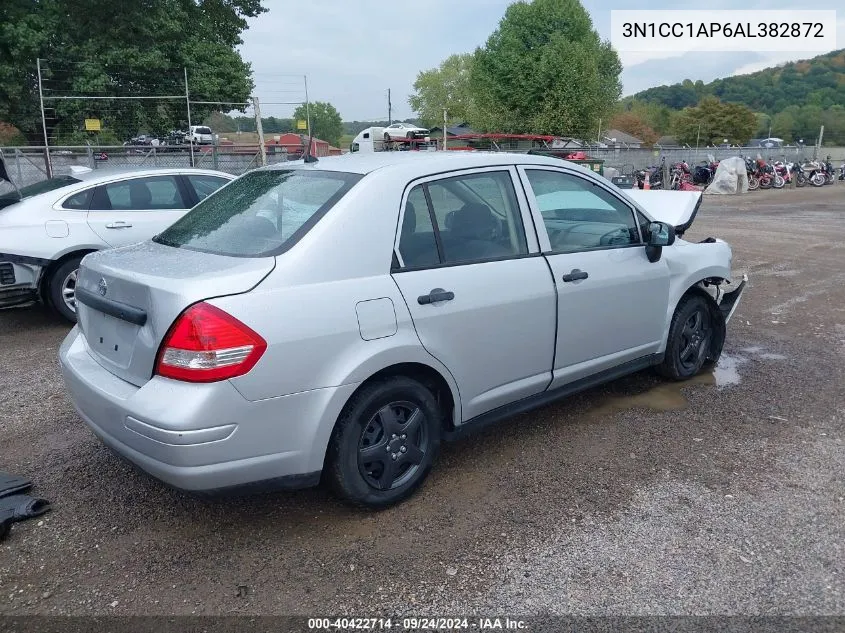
<point>205,185</point>
<point>417,244</point>
<point>79,201</point>
<point>580,215</point>
<point>478,217</point>
<point>143,194</point>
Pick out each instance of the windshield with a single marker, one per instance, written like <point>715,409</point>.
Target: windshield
<point>39,187</point>
<point>260,214</point>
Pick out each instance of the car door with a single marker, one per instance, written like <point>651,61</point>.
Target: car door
<point>135,209</point>
<point>611,299</point>
<point>480,294</point>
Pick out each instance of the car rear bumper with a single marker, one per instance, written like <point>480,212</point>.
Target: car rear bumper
<point>202,437</point>
<point>18,282</point>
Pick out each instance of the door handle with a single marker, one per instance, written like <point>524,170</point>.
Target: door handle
<point>575,275</point>
<point>438,294</point>
<point>118,225</point>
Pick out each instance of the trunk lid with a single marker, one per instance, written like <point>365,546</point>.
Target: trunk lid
<point>131,296</point>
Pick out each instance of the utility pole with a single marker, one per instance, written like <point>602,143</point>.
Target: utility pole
<point>188,103</point>
<point>598,135</point>
<point>389,109</point>
<point>260,129</point>
<point>47,159</point>
<point>444,128</point>
<point>307,111</point>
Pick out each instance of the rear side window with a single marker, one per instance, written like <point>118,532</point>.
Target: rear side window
<point>79,201</point>
<point>139,194</point>
<point>462,220</point>
<point>205,185</point>
<point>260,214</point>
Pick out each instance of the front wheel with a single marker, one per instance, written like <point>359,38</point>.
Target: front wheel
<point>385,443</point>
<point>800,180</point>
<point>61,289</point>
<point>817,179</point>
<point>693,340</point>
<point>778,182</point>
<point>753,183</point>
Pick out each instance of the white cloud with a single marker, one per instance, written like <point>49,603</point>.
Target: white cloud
<point>353,52</point>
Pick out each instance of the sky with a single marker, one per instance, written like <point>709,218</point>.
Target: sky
<point>353,51</point>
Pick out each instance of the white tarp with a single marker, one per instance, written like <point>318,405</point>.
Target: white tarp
<point>610,173</point>
<point>731,177</point>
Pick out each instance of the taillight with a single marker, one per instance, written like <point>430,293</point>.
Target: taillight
<point>206,344</point>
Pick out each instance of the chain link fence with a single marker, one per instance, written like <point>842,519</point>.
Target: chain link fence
<point>28,165</point>
<point>628,160</point>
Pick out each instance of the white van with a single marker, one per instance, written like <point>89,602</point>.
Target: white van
<point>369,140</point>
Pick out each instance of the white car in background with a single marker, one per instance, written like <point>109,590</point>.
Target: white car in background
<point>200,135</point>
<point>404,131</point>
<point>48,227</point>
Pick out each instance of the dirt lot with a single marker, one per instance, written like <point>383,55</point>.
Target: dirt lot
<point>723,495</point>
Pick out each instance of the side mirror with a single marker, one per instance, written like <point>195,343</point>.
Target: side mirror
<point>660,234</point>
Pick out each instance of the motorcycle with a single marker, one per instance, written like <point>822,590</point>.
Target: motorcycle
<point>842,171</point>
<point>813,172</point>
<point>751,171</point>
<point>704,173</point>
<point>784,170</point>
<point>829,172</point>
<point>655,176</point>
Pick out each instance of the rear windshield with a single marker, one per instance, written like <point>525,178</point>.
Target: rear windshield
<point>260,214</point>
<point>38,188</point>
<point>203,130</point>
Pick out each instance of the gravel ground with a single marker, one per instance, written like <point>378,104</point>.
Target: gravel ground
<point>723,495</point>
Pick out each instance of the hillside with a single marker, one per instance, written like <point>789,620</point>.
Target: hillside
<point>791,101</point>
<point>819,81</point>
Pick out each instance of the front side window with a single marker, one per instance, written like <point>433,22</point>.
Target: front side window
<point>260,214</point>
<point>462,220</point>
<point>139,194</point>
<point>579,215</point>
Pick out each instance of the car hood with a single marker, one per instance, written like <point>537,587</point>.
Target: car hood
<point>677,208</point>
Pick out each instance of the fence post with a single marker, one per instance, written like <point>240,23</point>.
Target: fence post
<point>214,159</point>
<point>90,153</point>
<point>18,164</point>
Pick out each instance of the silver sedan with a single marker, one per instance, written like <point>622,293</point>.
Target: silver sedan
<point>338,319</point>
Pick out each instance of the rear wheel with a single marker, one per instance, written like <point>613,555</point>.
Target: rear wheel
<point>800,180</point>
<point>385,443</point>
<point>778,182</point>
<point>693,339</point>
<point>61,289</point>
<point>753,183</point>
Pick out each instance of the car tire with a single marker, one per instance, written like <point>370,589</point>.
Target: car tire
<point>375,417</point>
<point>694,339</point>
<point>59,286</point>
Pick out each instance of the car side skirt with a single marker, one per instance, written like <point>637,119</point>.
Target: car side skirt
<point>546,397</point>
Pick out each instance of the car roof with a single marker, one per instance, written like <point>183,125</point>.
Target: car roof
<point>109,173</point>
<point>426,162</point>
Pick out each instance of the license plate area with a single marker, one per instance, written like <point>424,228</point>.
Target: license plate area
<point>110,338</point>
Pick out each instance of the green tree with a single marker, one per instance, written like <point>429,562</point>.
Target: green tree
<point>326,123</point>
<point>141,53</point>
<point>446,86</point>
<point>544,70</point>
<point>715,121</point>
